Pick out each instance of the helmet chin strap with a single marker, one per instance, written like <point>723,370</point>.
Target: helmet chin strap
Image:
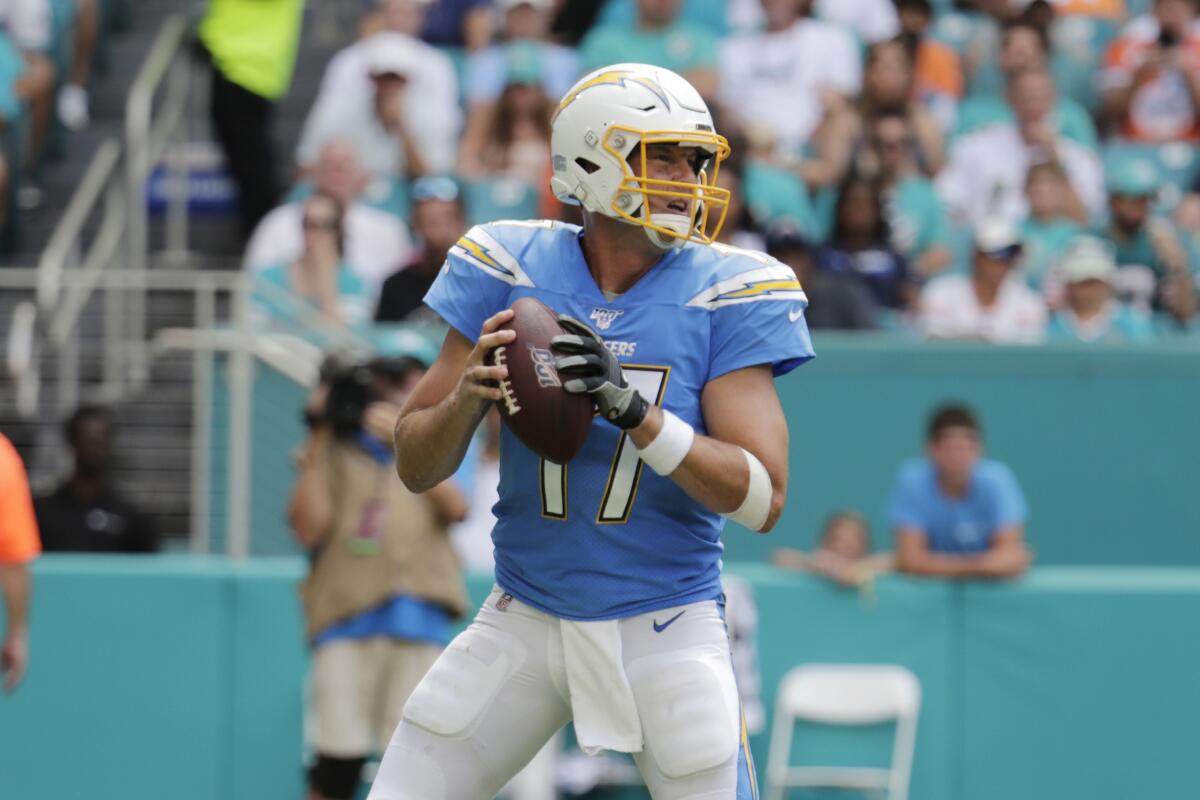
<point>673,222</point>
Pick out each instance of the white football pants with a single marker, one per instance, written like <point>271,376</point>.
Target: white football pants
<point>499,691</point>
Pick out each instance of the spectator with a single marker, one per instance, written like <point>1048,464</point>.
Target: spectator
<point>86,513</point>
<point>517,143</point>
<point>981,47</point>
<point>1024,45</point>
<point>18,547</point>
<point>843,554</point>
<point>1153,265</point>
<point>992,304</point>
<point>1091,313</point>
<point>375,239</point>
<point>920,229</point>
<point>658,37</point>
<point>72,105</point>
<point>986,171</point>
<point>318,281</point>
<point>937,71</point>
<point>1048,230</point>
<point>430,95</point>
<point>439,221</point>
<point>526,57</point>
<point>1151,79</point>
<point>384,584</point>
<point>251,45</point>
<point>955,514</point>
<point>836,300</point>
<point>778,85</point>
<point>861,244</point>
<point>873,20</point>
<point>29,27</point>
<point>459,23</point>
<point>383,131</point>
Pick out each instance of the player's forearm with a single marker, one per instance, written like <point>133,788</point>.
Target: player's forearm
<point>14,579</point>
<point>714,473</point>
<point>431,442</point>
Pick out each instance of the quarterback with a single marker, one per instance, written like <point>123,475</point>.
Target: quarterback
<point>608,607</point>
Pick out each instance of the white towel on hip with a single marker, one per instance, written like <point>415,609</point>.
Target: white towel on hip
<point>606,716</point>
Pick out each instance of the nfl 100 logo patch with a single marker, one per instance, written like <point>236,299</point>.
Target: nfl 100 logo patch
<point>604,317</point>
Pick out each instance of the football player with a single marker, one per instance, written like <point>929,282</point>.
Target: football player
<point>608,606</point>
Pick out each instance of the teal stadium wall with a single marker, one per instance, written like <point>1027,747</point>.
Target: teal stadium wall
<point>173,677</point>
<point>1104,441</point>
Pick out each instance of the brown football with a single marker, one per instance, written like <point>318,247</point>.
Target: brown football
<point>550,422</point>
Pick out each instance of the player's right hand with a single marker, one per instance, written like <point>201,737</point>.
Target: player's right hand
<point>479,382</point>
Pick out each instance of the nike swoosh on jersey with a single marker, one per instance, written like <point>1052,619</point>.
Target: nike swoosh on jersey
<point>660,628</point>
<point>795,315</point>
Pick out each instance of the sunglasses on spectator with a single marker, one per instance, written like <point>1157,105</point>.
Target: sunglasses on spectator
<point>311,224</point>
<point>438,188</point>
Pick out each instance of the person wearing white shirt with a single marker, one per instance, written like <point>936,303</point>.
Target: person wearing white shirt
<point>376,241</point>
<point>778,81</point>
<point>398,130</point>
<point>992,304</point>
<point>984,177</point>
<point>873,20</point>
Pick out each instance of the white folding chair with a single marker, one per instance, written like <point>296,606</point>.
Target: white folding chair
<point>845,694</point>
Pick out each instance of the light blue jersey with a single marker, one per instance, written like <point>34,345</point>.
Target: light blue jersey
<point>602,537</point>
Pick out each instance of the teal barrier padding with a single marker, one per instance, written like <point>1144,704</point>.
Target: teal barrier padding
<point>1082,684</point>
<point>1094,436</point>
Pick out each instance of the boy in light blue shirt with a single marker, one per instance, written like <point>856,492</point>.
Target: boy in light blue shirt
<point>954,513</point>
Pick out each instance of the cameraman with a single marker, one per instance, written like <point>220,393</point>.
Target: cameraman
<point>384,582</point>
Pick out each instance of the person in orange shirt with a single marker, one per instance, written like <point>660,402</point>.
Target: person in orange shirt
<point>1151,76</point>
<point>19,545</point>
<point>937,71</point>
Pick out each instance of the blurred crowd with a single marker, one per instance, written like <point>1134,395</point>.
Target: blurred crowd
<point>994,170</point>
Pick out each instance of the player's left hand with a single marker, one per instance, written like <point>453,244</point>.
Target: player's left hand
<point>587,366</point>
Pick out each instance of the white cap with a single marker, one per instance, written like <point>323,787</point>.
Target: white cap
<point>508,5</point>
<point>391,53</point>
<point>995,235</point>
<point>1088,258</point>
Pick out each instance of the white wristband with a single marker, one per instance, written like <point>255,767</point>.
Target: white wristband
<point>670,447</point>
<point>755,509</point>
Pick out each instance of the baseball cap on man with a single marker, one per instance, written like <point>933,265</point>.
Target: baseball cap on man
<point>1088,258</point>
<point>393,54</point>
<point>997,238</point>
<point>1131,177</point>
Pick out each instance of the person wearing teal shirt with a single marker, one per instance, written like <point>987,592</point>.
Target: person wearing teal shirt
<point>318,283</point>
<point>1048,230</point>
<point>1091,313</point>
<point>659,37</point>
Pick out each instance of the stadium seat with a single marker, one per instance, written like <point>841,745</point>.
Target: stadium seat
<point>844,695</point>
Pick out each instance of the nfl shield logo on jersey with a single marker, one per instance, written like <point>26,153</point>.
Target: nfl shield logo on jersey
<point>604,317</point>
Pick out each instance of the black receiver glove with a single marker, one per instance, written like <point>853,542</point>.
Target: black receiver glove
<point>585,365</point>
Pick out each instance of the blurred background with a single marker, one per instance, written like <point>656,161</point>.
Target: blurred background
<point>210,212</point>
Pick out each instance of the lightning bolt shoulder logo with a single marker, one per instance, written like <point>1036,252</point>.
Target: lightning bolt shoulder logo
<point>764,283</point>
<point>480,249</point>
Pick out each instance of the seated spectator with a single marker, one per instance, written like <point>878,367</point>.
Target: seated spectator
<point>1048,230</point>
<point>843,554</point>
<point>836,300</point>
<point>992,304</point>
<point>955,514</point>
<point>659,37</point>
<point>778,85</point>
<point>1091,313</point>
<point>982,21</point>
<point>318,281</point>
<point>527,57</point>
<point>517,142</point>
<point>986,170</point>
<point>439,222</point>
<point>1153,265</point>
<point>937,71</point>
<point>28,24</point>
<point>920,228</point>
<point>374,239</point>
<point>1151,79</point>
<point>1024,45</point>
<point>399,127</point>
<point>861,244</point>
<point>86,513</point>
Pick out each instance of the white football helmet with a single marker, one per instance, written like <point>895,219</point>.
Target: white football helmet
<point>612,111</point>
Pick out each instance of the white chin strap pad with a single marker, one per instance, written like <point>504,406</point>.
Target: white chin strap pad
<point>680,223</point>
<point>755,509</point>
